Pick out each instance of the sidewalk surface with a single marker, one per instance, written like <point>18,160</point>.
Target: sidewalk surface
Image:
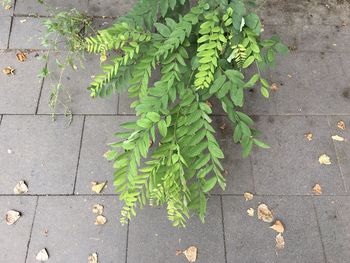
<point>59,162</point>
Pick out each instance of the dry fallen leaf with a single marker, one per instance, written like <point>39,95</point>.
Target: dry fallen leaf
<point>324,159</point>
<point>341,125</point>
<point>250,211</point>
<point>317,189</point>
<point>97,209</point>
<point>93,258</point>
<point>308,136</point>
<point>8,7</point>
<point>223,126</point>
<point>264,213</point>
<point>248,196</point>
<point>12,216</point>
<point>20,188</point>
<point>280,241</point>
<point>42,255</point>
<point>278,226</point>
<point>9,71</point>
<point>21,56</point>
<point>338,138</point>
<point>98,187</point>
<point>274,87</point>
<point>100,220</point>
<point>191,253</point>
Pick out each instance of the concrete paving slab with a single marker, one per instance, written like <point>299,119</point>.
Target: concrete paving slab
<point>4,31</point>
<point>291,165</point>
<point>41,152</point>
<point>20,92</point>
<point>14,238</point>
<point>153,239</point>
<point>251,240</point>
<point>110,7</point>
<point>65,227</point>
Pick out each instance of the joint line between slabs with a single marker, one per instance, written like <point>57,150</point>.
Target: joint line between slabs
<point>40,92</point>
<point>127,242</point>
<point>78,161</point>
<point>319,231</point>
<point>223,228</point>
<point>31,229</point>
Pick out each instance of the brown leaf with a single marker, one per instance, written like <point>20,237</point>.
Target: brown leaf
<point>93,258</point>
<point>100,220</point>
<point>42,255</point>
<point>248,196</point>
<point>317,189</point>
<point>308,136</point>
<point>223,126</point>
<point>21,56</point>
<point>191,253</point>
<point>178,252</point>
<point>250,211</point>
<point>97,209</point>
<point>324,159</point>
<point>12,216</point>
<point>338,138</point>
<point>274,87</point>
<point>20,188</point>
<point>8,7</point>
<point>9,71</point>
<point>264,213</point>
<point>280,244</point>
<point>341,125</point>
<point>98,187</point>
<point>278,226</point>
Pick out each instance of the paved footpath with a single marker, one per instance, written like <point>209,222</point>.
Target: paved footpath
<point>59,162</point>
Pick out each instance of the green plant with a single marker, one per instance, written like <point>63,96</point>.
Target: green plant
<point>170,155</point>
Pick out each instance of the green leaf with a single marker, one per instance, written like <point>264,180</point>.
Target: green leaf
<point>215,150</point>
<point>209,184</point>
<point>153,116</point>
<point>248,62</point>
<point>264,91</point>
<point>162,127</point>
<point>281,48</point>
<point>217,84</point>
<point>162,29</point>
<point>252,81</point>
<point>261,144</point>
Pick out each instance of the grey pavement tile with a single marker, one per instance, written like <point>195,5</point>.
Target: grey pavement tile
<point>6,12</point>
<point>239,176</point>
<point>26,33</point>
<point>75,83</point>
<point>33,7</point>
<point>153,239</point>
<point>41,152</point>
<point>342,148</point>
<point>333,217</point>
<point>20,92</point>
<point>124,104</point>
<point>110,7</point>
<point>251,240</point>
<point>98,132</point>
<point>291,166</point>
<point>14,238</point>
<point>5,22</point>
<point>65,227</point>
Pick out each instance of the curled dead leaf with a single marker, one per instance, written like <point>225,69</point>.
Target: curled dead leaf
<point>274,87</point>
<point>264,213</point>
<point>278,226</point>
<point>280,243</point>
<point>21,188</point>
<point>325,159</point>
<point>250,211</point>
<point>338,138</point>
<point>98,187</point>
<point>12,216</point>
<point>341,125</point>
<point>97,209</point>
<point>248,196</point>
<point>21,56</point>
<point>191,253</point>
<point>308,136</point>
<point>317,189</point>
<point>8,7</point>
<point>42,255</point>
<point>100,220</point>
<point>93,258</point>
<point>9,71</point>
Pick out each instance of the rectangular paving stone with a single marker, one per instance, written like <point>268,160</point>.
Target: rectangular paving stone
<point>251,240</point>
<point>42,153</point>
<point>153,239</point>
<point>75,83</point>
<point>4,31</point>
<point>98,132</point>
<point>20,92</point>
<point>333,216</point>
<point>342,148</point>
<point>14,238</point>
<point>291,165</point>
<point>33,7</point>
<point>6,12</point>
<point>110,7</point>
<point>65,227</point>
<point>27,33</point>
